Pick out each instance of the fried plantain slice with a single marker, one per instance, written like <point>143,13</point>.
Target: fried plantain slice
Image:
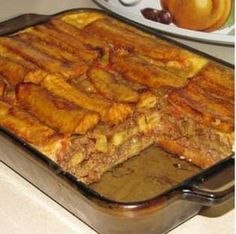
<point>82,19</point>
<point>163,54</point>
<point>202,107</point>
<point>83,83</point>
<point>51,50</point>
<point>30,129</point>
<point>59,114</point>
<point>79,35</point>
<point>16,58</point>
<point>112,113</point>
<point>15,73</point>
<point>217,81</point>
<point>106,84</point>
<point>190,139</point>
<point>43,34</point>
<point>2,87</point>
<point>68,41</point>
<point>48,63</point>
<point>193,155</point>
<point>138,70</point>
<point>209,97</point>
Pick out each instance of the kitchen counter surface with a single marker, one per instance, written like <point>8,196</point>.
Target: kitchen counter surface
<point>25,209</point>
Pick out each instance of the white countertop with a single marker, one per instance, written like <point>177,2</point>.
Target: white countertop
<point>26,210</point>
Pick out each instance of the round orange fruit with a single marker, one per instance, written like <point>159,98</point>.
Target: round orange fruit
<point>202,15</point>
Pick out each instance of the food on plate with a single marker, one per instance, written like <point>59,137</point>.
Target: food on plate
<point>90,92</point>
<point>161,16</point>
<point>206,15</point>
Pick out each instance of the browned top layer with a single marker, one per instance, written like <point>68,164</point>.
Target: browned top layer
<point>208,98</point>
<point>81,86</point>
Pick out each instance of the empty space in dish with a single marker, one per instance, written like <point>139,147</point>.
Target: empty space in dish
<point>145,176</point>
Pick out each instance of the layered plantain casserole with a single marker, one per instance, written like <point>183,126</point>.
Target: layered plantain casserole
<point>89,92</point>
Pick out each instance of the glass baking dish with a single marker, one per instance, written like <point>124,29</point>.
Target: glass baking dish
<point>146,194</point>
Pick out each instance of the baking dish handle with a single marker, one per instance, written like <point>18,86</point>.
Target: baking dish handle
<point>214,187</point>
<point>21,22</point>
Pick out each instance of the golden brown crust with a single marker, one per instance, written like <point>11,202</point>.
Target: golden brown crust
<point>42,60</point>
<point>48,48</point>
<point>79,35</point>
<point>82,19</point>
<point>111,113</point>
<point>163,54</point>
<point>2,87</point>
<point>66,41</point>
<point>16,58</point>
<point>140,71</point>
<point>106,84</point>
<point>204,98</point>
<point>90,92</point>
<point>25,125</point>
<point>66,118</point>
<point>13,72</point>
<point>30,129</point>
<point>192,155</point>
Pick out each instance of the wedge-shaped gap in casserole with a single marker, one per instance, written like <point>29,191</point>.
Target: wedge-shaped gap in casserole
<point>191,139</point>
<point>107,146</point>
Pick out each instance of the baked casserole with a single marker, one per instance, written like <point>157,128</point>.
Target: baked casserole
<point>90,92</point>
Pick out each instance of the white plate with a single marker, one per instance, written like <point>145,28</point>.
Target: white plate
<point>225,35</point>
